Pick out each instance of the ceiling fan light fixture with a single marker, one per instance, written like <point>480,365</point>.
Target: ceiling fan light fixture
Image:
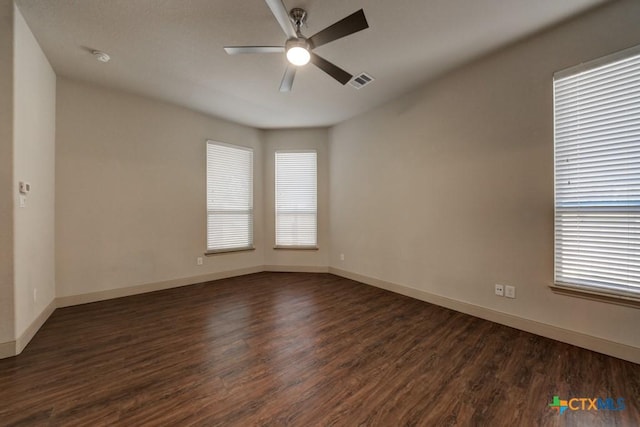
<point>298,52</point>
<point>298,56</point>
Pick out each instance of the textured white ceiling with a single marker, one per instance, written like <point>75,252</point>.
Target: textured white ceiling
<point>173,49</point>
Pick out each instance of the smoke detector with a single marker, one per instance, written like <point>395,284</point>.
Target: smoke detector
<point>101,56</point>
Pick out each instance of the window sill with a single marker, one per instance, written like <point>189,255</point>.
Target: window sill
<point>296,248</point>
<point>627,301</point>
<point>226,251</point>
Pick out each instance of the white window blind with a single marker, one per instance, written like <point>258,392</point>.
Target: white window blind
<point>296,199</point>
<point>597,175</point>
<point>229,197</point>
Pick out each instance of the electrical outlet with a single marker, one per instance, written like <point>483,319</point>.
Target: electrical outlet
<point>199,260</point>
<point>500,290</point>
<point>510,291</point>
<point>24,187</point>
<point>341,257</point>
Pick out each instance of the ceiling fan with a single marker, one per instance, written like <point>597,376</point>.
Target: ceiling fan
<point>299,49</point>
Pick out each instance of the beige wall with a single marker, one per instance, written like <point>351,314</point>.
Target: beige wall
<point>7,329</point>
<point>130,190</point>
<point>315,139</point>
<point>449,189</point>
<point>34,161</point>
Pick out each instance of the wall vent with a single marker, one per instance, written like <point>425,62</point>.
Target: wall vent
<point>361,80</point>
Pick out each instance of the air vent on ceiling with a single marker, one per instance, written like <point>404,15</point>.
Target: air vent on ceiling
<point>361,80</point>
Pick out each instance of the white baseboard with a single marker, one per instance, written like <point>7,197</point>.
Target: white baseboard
<point>13,348</point>
<point>151,287</point>
<point>296,268</point>
<point>600,345</point>
<point>168,284</point>
<point>34,327</point>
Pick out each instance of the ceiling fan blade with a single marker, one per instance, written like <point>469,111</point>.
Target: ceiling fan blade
<point>349,25</point>
<point>287,79</point>
<point>237,50</point>
<point>282,16</point>
<point>333,70</point>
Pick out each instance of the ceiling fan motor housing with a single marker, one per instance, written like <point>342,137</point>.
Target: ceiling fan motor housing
<point>299,42</point>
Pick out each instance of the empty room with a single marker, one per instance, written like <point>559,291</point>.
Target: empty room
<point>311,213</point>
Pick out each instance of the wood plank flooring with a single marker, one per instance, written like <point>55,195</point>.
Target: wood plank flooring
<point>297,349</point>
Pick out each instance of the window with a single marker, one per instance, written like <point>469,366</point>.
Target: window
<point>597,176</point>
<point>229,197</point>
<point>296,199</point>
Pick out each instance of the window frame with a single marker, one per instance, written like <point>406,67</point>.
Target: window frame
<point>251,211</point>
<point>277,246</point>
<point>589,291</point>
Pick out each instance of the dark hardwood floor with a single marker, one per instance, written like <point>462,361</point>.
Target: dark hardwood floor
<point>301,350</point>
